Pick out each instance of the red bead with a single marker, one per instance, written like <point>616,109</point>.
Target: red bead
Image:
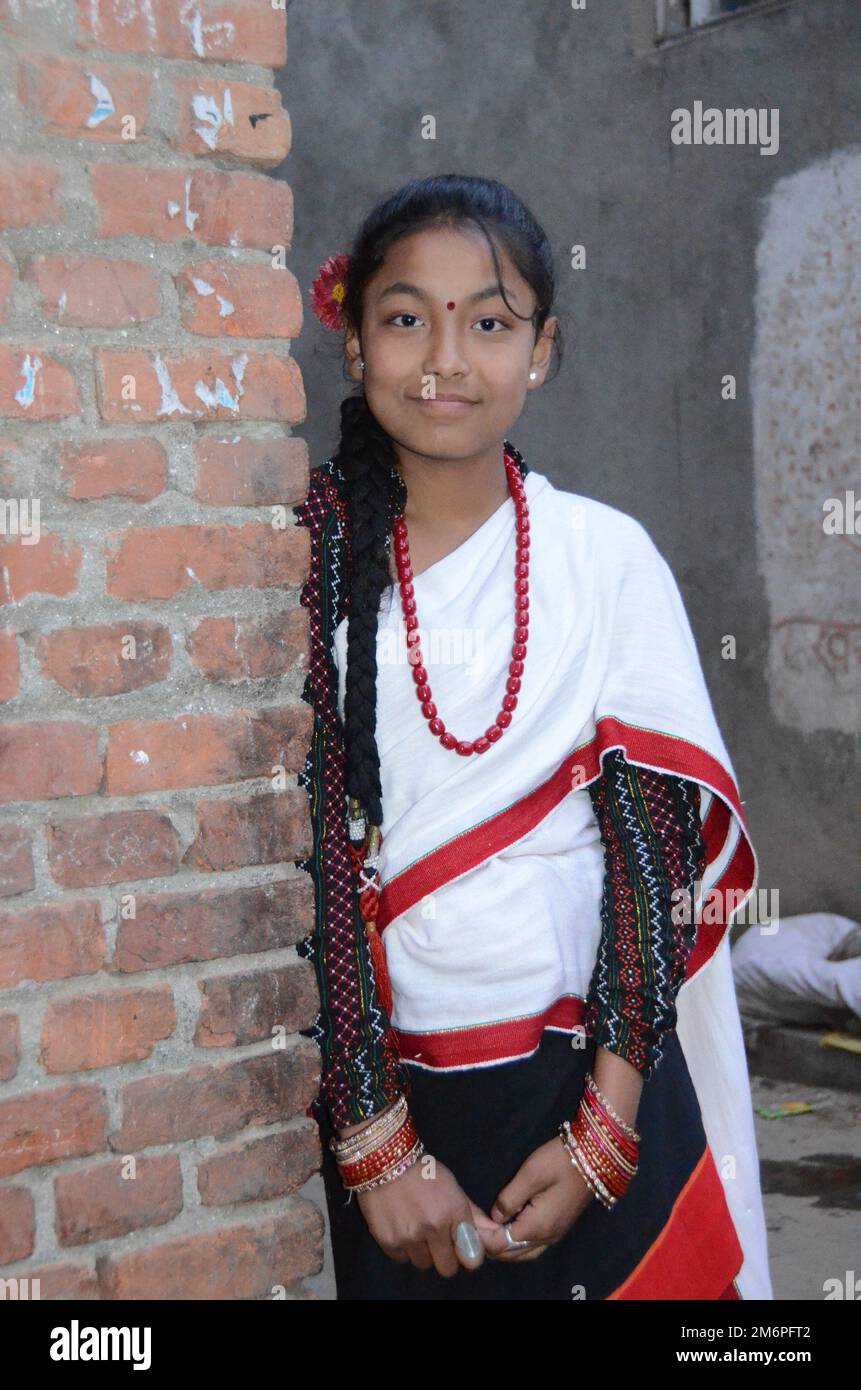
<point>512,685</point>
<point>420,675</point>
<point>521,570</point>
<point>503,719</point>
<point>428,708</point>
<point>518,651</point>
<point>437,727</point>
<point>401,544</point>
<point>509,702</point>
<point>516,668</point>
<point>521,586</point>
<point>413,636</point>
<point>411,622</point>
<point>493,733</point>
<point>481,745</point>
<point>407,590</point>
<point>414,655</point>
<point>423,693</point>
<point>448,741</point>
<point>521,634</point>
<point>464,749</point>
<point>409,605</point>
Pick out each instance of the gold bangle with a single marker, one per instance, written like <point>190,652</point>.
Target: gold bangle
<point>623,1125</point>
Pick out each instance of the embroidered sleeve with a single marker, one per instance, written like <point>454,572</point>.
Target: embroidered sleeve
<point>653,845</point>
<point>361,1070</point>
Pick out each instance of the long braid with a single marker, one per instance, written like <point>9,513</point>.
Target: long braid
<point>376,492</point>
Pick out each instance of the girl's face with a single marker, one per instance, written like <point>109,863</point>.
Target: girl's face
<point>434,324</point>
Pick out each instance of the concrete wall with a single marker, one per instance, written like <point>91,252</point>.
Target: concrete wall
<point>702,260</point>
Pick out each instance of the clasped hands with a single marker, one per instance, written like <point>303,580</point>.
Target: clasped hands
<point>418,1218</point>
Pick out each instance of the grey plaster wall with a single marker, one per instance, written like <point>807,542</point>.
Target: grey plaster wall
<point>702,261</point>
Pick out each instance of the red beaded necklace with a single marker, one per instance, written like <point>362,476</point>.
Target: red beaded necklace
<point>521,625</point>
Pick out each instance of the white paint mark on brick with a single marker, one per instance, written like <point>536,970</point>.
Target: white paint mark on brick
<point>206,109</point>
<point>29,369</point>
<point>190,217</point>
<point>104,106</point>
<point>138,755</point>
<point>225,307</point>
<point>204,288</point>
<point>170,401</point>
<point>61,306</point>
<point>172,209</point>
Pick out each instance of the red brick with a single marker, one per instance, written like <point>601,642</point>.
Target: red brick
<point>269,828</point>
<point>28,191</point>
<point>105,1029</point>
<point>216,923</point>
<point>49,1125</point>
<point>10,668</point>
<point>7,279</point>
<point>221,31</point>
<point>59,93</point>
<point>52,941</point>
<point>247,300</point>
<point>51,566</point>
<point>90,661</point>
<point>33,386</point>
<point>95,291</point>
<point>256,647</point>
<point>238,119</point>
<point>16,861</point>
<point>40,761</point>
<point>135,469</point>
<point>200,204</point>
<point>217,1100</point>
<point>260,1169</point>
<point>10,1050</point>
<point>160,561</point>
<point>237,1010</point>
<point>197,750</point>
<point>60,1282</point>
<point>100,1203</point>
<point>198,386</point>
<point>17,1224</point>
<point>236,470</point>
<point>119,847</point>
<point>245,1262</point>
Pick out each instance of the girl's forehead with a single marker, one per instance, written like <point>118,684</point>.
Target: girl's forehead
<point>445,262</point>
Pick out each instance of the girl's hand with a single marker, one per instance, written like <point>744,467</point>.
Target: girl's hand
<point>542,1202</point>
<point>415,1219</point>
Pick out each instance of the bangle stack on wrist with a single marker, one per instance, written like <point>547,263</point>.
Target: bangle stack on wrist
<point>602,1147</point>
<point>380,1152</point>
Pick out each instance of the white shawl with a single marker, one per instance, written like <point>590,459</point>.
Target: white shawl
<point>611,663</point>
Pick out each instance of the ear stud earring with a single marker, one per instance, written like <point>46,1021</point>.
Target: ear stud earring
<point>532,376</point>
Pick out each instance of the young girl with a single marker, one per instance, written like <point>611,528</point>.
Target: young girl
<point>526,826</point>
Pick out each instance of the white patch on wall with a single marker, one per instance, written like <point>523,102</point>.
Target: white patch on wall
<point>806,402</point>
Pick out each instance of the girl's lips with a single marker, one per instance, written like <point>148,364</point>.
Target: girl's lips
<point>438,407</point>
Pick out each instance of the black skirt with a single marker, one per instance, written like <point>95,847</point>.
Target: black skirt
<point>670,1236</point>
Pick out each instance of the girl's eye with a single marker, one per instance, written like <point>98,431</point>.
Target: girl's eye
<point>407,315</point>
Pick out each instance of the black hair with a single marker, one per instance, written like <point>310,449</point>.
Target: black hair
<point>375,489</point>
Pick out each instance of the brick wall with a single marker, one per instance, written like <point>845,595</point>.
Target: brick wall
<point>153,1086</point>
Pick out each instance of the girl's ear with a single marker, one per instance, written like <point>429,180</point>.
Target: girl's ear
<point>543,348</point>
<point>353,356</point>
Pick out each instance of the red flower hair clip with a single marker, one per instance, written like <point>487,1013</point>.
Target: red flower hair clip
<point>328,290</point>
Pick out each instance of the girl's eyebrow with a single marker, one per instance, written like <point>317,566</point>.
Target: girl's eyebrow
<point>402,287</point>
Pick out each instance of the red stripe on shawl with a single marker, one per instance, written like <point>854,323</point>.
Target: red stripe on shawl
<point>698,1253</point>
<point>489,1042</point>
<point>662,752</point>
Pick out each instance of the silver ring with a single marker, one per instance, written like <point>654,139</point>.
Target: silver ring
<point>511,1243</point>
